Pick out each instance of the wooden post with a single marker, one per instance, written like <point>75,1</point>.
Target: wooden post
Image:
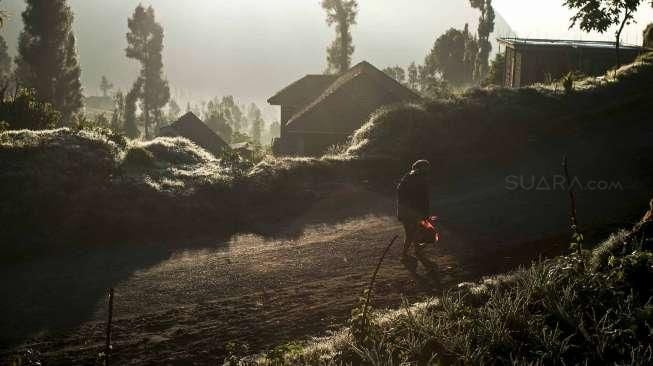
<point>107,348</point>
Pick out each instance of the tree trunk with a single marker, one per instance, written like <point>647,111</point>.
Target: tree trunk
<point>621,28</point>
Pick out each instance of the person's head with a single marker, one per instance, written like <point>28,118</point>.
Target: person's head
<point>421,166</point>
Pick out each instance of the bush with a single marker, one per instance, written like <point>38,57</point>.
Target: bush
<point>25,111</point>
<point>138,157</point>
<point>555,312</point>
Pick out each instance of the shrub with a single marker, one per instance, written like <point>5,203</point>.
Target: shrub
<point>138,157</point>
<point>25,111</point>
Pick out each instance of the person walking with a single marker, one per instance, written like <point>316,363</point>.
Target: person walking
<point>413,202</point>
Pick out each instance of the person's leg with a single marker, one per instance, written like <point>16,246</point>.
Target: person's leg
<point>409,232</point>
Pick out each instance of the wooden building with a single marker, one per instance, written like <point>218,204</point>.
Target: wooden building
<point>530,61</point>
<point>192,128</point>
<point>319,111</point>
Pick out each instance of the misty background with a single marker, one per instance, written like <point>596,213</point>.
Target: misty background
<point>253,48</point>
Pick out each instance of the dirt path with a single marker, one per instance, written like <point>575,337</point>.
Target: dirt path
<point>184,306</point>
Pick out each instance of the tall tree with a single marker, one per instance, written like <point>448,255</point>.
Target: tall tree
<point>105,86</point>
<point>145,44</point>
<point>256,122</point>
<point>68,92</point>
<point>485,29</point>
<point>648,36</point>
<point>599,15</point>
<point>413,76</point>
<point>452,58</point>
<point>47,58</point>
<point>342,13</point>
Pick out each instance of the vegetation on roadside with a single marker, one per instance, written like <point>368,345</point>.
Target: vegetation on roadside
<point>589,307</point>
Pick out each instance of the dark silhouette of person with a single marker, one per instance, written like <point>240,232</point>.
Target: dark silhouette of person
<point>413,201</point>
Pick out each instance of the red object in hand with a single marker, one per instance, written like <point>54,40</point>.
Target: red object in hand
<point>428,232</point>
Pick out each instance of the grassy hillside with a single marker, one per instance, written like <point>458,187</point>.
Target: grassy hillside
<point>590,307</point>
<point>64,186</point>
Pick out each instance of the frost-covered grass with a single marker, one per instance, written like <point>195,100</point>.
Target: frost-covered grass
<point>556,312</point>
<point>491,117</point>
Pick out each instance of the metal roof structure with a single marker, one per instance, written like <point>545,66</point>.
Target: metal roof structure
<point>533,42</point>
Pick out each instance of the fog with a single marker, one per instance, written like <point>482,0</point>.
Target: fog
<point>253,48</point>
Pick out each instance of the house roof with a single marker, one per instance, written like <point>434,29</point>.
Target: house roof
<point>382,81</point>
<point>550,43</point>
<point>192,128</point>
<point>303,91</point>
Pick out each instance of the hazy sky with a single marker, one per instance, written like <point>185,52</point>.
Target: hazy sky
<point>253,48</point>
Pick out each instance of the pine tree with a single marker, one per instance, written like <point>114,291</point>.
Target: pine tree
<point>105,86</point>
<point>145,44</point>
<point>69,90</point>
<point>256,122</point>
<point>485,29</point>
<point>342,13</point>
<point>413,76</point>
<point>47,58</point>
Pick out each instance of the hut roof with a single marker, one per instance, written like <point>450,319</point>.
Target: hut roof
<point>192,128</point>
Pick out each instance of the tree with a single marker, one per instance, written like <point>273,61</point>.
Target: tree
<point>256,122</point>
<point>47,58</point>
<point>68,92</point>
<point>413,76</point>
<point>342,13</point>
<point>5,62</point>
<point>599,15</point>
<point>131,125</point>
<point>145,44</point>
<point>648,36</point>
<point>118,116</point>
<point>451,58</point>
<point>105,86</point>
<point>275,130</point>
<point>215,119</point>
<point>485,29</point>
<point>397,73</point>
<point>174,110</point>
<point>496,74</point>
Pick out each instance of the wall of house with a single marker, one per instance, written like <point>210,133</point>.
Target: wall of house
<point>527,66</point>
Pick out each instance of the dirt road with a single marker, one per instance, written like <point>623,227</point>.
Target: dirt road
<point>184,304</point>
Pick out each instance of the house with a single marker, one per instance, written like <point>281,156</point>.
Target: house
<point>319,111</point>
<point>192,128</point>
<point>530,61</point>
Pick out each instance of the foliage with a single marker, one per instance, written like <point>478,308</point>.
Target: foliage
<point>648,36</point>
<point>413,76</point>
<point>138,156</point>
<point>452,58</point>
<point>485,29</point>
<point>553,312</point>
<point>396,72</point>
<point>25,111</point>
<point>496,74</point>
<point>5,61</point>
<point>342,13</point>
<point>130,124</point>
<point>145,44</point>
<point>105,86</point>
<point>600,15</point>
<point>48,36</point>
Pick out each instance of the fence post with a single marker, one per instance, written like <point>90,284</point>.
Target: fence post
<point>107,347</point>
